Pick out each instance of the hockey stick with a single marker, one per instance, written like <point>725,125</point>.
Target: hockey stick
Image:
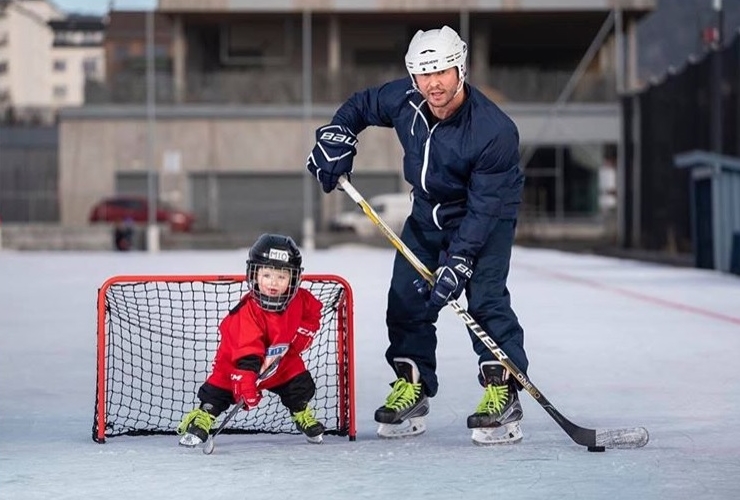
<point>634,437</point>
<point>209,444</point>
<point>270,368</point>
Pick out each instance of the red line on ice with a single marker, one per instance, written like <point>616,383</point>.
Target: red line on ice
<point>634,295</point>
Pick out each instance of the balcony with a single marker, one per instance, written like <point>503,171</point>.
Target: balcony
<point>284,86</point>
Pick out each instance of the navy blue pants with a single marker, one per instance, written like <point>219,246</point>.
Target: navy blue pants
<point>411,328</point>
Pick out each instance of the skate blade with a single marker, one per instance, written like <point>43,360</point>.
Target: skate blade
<point>190,441</point>
<point>407,428</point>
<point>490,436</point>
<point>316,439</point>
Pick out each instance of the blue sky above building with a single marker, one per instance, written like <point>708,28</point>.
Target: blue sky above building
<point>100,7</point>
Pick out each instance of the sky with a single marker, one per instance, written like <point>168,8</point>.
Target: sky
<point>612,343</point>
<point>100,7</point>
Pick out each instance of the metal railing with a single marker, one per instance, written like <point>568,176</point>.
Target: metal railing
<point>283,86</point>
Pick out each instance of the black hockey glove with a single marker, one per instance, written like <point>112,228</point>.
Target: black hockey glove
<point>332,156</point>
<point>449,281</point>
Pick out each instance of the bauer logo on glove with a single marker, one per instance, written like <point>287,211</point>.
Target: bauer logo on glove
<point>450,280</point>
<point>332,155</point>
<point>329,136</point>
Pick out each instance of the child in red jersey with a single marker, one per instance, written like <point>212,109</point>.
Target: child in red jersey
<point>276,320</point>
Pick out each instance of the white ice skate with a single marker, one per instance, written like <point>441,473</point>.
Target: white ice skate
<point>195,427</point>
<point>405,409</point>
<point>507,434</point>
<point>496,419</point>
<point>407,428</point>
<point>190,440</point>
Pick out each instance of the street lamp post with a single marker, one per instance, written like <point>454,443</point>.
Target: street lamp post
<point>152,230</point>
<point>309,226</point>
<point>716,85</point>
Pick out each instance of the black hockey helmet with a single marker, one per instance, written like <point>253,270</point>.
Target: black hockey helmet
<point>278,252</point>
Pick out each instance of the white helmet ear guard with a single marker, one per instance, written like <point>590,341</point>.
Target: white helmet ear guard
<point>436,50</point>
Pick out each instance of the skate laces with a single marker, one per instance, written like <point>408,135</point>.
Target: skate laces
<point>200,418</point>
<point>305,418</point>
<point>403,395</point>
<point>494,399</point>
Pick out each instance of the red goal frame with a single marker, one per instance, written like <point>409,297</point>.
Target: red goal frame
<point>345,342</point>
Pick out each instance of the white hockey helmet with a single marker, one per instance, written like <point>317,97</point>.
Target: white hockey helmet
<point>436,50</point>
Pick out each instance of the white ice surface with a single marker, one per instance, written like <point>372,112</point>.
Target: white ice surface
<point>612,343</point>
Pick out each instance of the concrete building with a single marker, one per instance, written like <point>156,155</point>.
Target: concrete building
<point>125,56</point>
<point>232,142</point>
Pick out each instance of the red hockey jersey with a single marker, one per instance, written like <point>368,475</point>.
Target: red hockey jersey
<point>250,330</point>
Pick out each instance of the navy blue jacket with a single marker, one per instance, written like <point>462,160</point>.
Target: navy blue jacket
<point>464,169</point>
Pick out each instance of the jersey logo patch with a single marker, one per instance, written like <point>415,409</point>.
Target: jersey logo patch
<point>272,359</point>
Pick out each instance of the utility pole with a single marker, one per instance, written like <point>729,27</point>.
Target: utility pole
<point>309,223</point>
<point>152,229</point>
<point>716,85</point>
<point>717,4</point>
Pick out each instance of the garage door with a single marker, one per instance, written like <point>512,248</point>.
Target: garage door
<point>250,204</point>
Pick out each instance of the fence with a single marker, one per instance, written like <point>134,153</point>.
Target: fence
<point>29,174</point>
<point>694,108</point>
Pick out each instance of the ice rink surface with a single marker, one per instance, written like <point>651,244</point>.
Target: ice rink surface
<point>612,343</point>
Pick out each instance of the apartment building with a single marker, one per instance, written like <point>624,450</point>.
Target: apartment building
<point>45,58</point>
<point>77,58</point>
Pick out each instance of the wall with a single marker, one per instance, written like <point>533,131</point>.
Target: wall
<point>91,151</point>
<point>55,237</point>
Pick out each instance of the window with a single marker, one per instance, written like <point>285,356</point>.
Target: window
<point>129,204</point>
<point>90,67</point>
<point>161,50</point>
<point>256,44</point>
<point>121,52</point>
<point>60,91</point>
<point>3,67</point>
<point>60,65</point>
<point>377,57</point>
<point>92,37</point>
<point>62,38</point>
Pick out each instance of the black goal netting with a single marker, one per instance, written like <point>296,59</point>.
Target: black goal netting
<point>157,336</point>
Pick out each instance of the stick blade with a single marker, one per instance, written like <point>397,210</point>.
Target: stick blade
<point>208,446</point>
<point>633,437</point>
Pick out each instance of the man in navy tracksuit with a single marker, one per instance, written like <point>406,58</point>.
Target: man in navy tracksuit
<point>462,159</point>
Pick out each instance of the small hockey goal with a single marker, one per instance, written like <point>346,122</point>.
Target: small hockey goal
<point>157,336</point>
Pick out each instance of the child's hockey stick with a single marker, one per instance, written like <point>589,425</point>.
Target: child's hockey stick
<point>210,444</point>
<point>634,437</point>
<point>271,363</point>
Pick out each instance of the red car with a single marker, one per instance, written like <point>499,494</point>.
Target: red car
<point>135,208</point>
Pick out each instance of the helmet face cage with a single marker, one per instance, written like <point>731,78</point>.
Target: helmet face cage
<point>276,252</point>
<point>436,50</point>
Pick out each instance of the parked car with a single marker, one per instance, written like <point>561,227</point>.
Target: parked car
<point>393,208</point>
<point>136,209</point>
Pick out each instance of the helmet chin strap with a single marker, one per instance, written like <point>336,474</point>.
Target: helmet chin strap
<point>459,87</point>
<point>460,80</point>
